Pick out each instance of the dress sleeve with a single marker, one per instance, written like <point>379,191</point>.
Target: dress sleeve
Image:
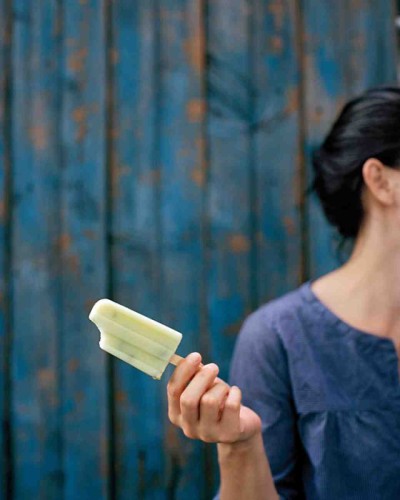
<point>259,368</point>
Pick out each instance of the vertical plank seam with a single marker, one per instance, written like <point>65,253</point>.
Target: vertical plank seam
<point>109,279</point>
<point>173,469</point>
<point>304,188</point>
<point>8,261</point>
<point>58,261</point>
<point>252,143</point>
<point>156,159</point>
<point>157,84</point>
<point>61,342</point>
<point>205,228</point>
<point>395,10</point>
<point>345,13</point>
<point>205,167</point>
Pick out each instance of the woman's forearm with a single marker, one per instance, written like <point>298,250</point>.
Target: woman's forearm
<point>245,471</point>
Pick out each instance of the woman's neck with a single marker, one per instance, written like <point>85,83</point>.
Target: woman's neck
<point>365,291</point>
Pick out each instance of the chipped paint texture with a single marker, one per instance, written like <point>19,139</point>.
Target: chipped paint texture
<point>155,152</point>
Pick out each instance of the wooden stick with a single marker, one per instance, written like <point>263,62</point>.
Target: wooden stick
<point>175,359</point>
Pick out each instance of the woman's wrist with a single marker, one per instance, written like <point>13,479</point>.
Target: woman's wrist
<point>249,446</point>
<point>245,471</point>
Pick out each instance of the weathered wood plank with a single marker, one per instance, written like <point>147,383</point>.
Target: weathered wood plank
<point>83,251</point>
<point>387,40</point>
<point>278,194</point>
<point>4,244</point>
<point>334,73</point>
<point>229,203</point>
<point>371,58</point>
<point>182,110</point>
<point>230,92</point>
<point>136,263</point>
<point>35,307</point>
<point>324,66</point>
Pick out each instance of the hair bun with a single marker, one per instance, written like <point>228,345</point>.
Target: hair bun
<point>366,128</point>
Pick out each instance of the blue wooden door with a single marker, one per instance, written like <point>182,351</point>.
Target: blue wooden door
<point>155,152</point>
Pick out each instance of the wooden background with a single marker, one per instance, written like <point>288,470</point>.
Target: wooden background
<point>154,152</point>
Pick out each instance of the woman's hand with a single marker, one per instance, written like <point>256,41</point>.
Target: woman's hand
<point>207,408</point>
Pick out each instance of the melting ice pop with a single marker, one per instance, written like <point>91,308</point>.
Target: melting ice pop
<point>134,338</point>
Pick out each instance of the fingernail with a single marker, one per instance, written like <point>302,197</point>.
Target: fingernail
<point>213,365</point>
<point>194,357</point>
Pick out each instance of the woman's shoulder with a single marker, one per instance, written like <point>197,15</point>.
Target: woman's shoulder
<point>275,321</point>
<point>264,346</point>
<point>286,307</point>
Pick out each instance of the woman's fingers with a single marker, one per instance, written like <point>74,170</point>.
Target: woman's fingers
<point>231,412</point>
<point>207,408</point>
<point>178,382</point>
<point>211,404</point>
<point>191,396</point>
<point>220,381</point>
<point>204,406</point>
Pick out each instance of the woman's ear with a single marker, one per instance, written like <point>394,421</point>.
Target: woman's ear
<point>378,181</point>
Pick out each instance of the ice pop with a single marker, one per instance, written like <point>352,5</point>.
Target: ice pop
<point>134,338</point>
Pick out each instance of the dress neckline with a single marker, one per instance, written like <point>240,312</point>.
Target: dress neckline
<point>333,318</point>
<point>345,328</point>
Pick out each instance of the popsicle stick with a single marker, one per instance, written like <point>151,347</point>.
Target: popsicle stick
<point>175,359</point>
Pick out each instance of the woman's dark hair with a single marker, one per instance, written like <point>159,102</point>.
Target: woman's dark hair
<point>367,127</point>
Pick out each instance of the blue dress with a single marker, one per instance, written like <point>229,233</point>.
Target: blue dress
<point>328,395</point>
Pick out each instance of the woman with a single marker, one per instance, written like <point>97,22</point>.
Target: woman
<point>319,367</point>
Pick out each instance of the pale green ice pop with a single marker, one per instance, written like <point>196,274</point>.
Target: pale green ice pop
<point>134,338</point>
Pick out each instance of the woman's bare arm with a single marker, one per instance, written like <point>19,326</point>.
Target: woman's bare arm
<point>245,471</point>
